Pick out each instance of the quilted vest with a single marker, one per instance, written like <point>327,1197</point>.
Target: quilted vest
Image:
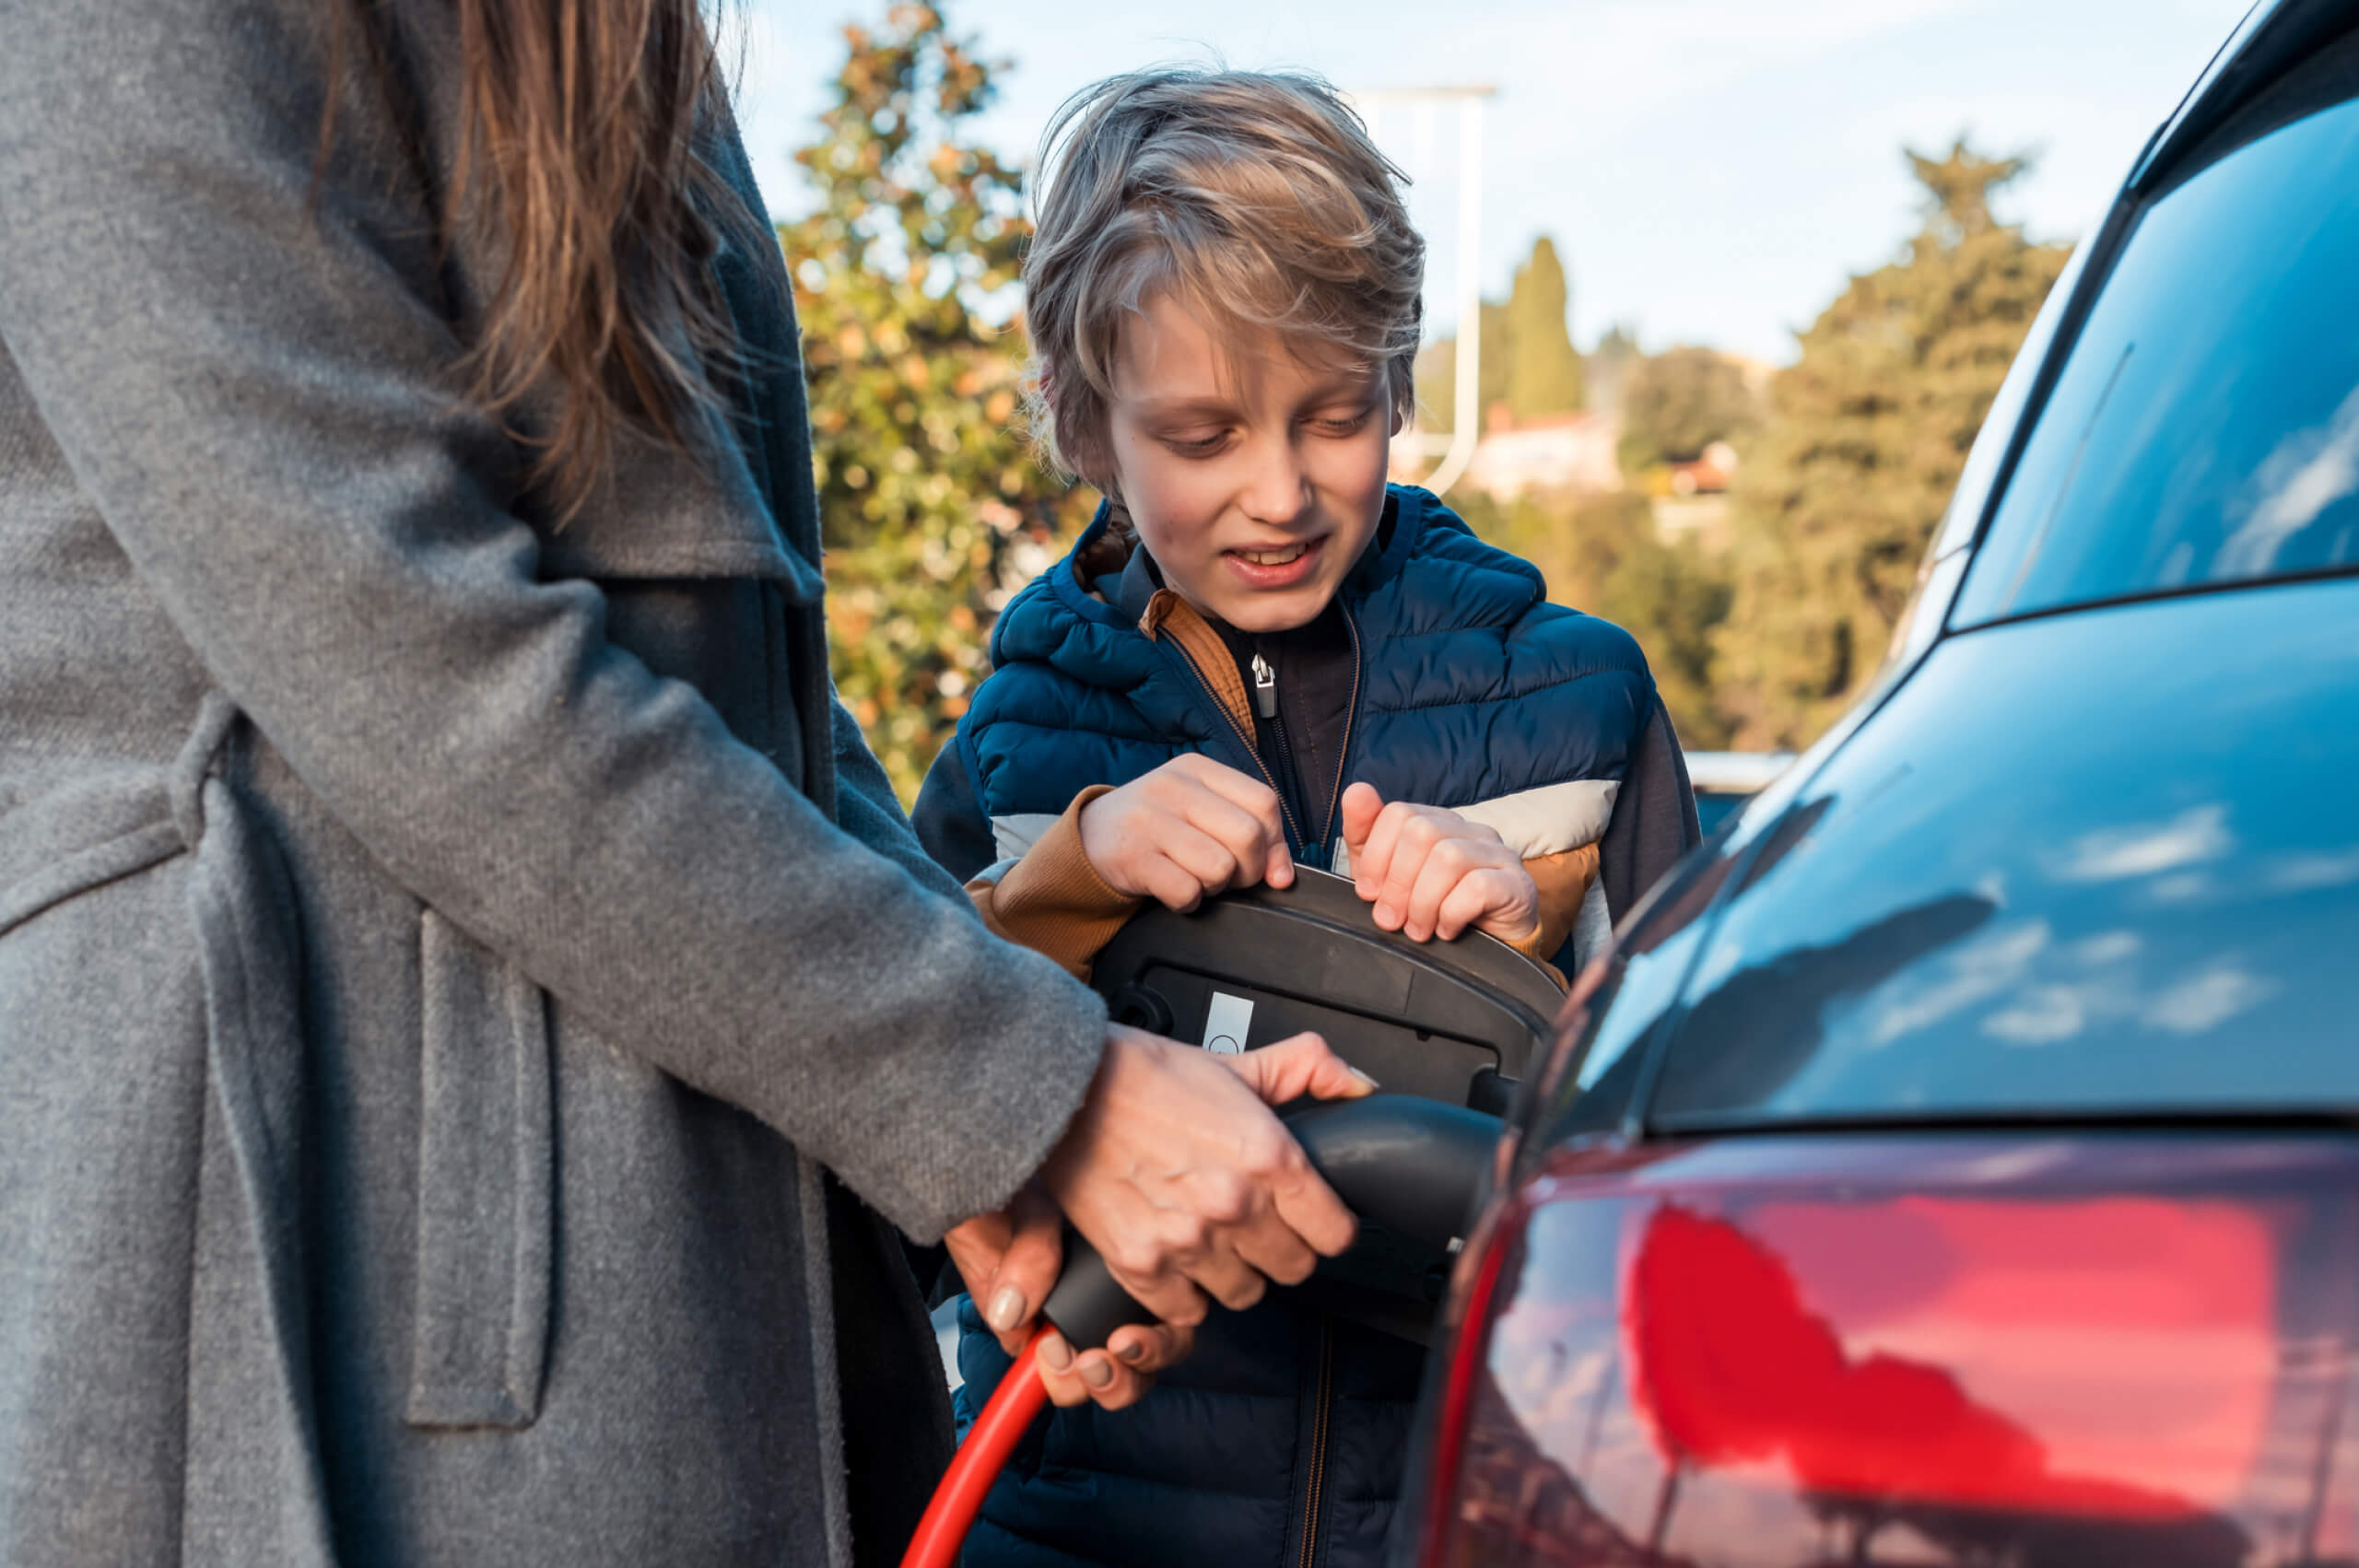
<point>1282,1437</point>
<point>1475,694</point>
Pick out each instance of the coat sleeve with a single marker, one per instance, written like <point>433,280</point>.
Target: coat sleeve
<point>1654,823</point>
<point>867,808</point>
<point>255,387</point>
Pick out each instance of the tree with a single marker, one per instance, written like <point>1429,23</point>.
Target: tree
<point>1528,359</point>
<point>1437,373</point>
<point>1544,369</point>
<point>1677,403</point>
<point>1867,433</point>
<point>929,503</point>
<point>1608,364</point>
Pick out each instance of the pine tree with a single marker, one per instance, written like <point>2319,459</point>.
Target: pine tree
<point>1438,372</point>
<point>1870,427</point>
<point>1607,367</point>
<point>930,504</point>
<point>1544,376</point>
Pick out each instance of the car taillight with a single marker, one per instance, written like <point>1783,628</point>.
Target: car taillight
<point>1781,1352</point>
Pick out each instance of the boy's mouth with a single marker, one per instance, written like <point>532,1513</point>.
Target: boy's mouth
<point>1276,566</point>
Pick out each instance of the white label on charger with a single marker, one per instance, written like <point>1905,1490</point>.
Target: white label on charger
<point>1225,1022</point>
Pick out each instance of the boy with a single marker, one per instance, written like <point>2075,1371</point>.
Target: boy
<point>1262,655</point>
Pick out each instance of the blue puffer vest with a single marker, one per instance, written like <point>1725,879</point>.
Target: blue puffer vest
<point>1284,1423</point>
<point>1473,686</point>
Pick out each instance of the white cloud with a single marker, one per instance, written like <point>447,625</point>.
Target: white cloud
<point>2113,854</point>
<point>2310,471</point>
<point>2313,870</point>
<point>2202,1003</point>
<point>2041,1016</point>
<point>2105,947</point>
<point>1981,969</point>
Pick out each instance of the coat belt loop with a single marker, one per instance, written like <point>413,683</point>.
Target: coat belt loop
<point>186,783</point>
<point>256,1489</point>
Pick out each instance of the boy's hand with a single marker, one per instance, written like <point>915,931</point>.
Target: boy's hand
<point>1191,828</point>
<point>1431,872</point>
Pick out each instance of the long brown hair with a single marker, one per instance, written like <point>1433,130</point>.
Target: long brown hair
<point>578,161</point>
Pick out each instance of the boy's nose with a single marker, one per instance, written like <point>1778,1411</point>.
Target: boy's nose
<point>1279,489</point>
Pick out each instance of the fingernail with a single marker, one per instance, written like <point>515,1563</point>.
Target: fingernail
<point>1007,1310</point>
<point>1364,1077</point>
<point>1056,1353</point>
<point>1098,1373</point>
<point>1132,1351</point>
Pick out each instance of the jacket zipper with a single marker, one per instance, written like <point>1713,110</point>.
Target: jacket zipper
<point>1343,756</point>
<point>1326,1398</point>
<point>1294,831</point>
<point>1265,704</point>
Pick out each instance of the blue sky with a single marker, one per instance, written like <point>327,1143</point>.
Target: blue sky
<point>1711,169</point>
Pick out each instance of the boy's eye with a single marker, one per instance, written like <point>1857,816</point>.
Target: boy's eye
<point>1196,446</point>
<point>1340,424</point>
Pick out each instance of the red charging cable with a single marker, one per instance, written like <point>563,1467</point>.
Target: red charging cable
<point>1006,1418</point>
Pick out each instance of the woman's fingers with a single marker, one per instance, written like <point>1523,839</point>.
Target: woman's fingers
<point>1028,1270</point>
<point>1286,1260</point>
<point>1095,1376</point>
<point>1229,1279</point>
<point>1148,1347</point>
<point>1008,1260</point>
<point>1296,1066</point>
<point>1177,1173</point>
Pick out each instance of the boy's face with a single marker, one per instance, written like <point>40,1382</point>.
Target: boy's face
<point>1255,478</point>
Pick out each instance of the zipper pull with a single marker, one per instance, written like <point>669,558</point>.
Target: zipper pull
<point>1265,687</point>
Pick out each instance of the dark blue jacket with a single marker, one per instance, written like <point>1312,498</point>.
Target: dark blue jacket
<point>1475,693</point>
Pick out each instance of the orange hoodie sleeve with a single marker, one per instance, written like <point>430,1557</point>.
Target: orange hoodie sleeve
<point>1564,881</point>
<point>1053,900</point>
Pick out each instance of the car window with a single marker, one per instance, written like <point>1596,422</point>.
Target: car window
<point>2205,428</point>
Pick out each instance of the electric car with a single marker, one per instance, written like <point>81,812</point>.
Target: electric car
<point>1956,1162</point>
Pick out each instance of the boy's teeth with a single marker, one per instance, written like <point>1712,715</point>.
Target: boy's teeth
<point>1272,558</point>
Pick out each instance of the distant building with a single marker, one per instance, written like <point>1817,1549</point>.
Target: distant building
<point>1554,452</point>
<point>1708,474</point>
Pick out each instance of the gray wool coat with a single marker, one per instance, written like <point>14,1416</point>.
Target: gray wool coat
<point>439,955</point>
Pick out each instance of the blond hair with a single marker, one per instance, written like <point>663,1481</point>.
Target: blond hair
<point>1253,200</point>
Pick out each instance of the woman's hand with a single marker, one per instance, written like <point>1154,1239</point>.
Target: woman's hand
<point>1009,1261</point>
<point>1430,872</point>
<point>1179,1174</point>
<point>1190,828</point>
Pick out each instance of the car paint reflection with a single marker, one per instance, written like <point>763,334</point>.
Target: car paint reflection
<point>1834,1371</point>
<point>2163,846</point>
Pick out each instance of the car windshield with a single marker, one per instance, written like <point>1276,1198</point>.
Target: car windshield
<point>2205,429</point>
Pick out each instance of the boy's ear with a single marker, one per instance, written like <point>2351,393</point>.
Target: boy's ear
<point>1081,450</point>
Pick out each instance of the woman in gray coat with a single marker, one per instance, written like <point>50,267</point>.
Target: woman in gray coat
<point>470,1006</point>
